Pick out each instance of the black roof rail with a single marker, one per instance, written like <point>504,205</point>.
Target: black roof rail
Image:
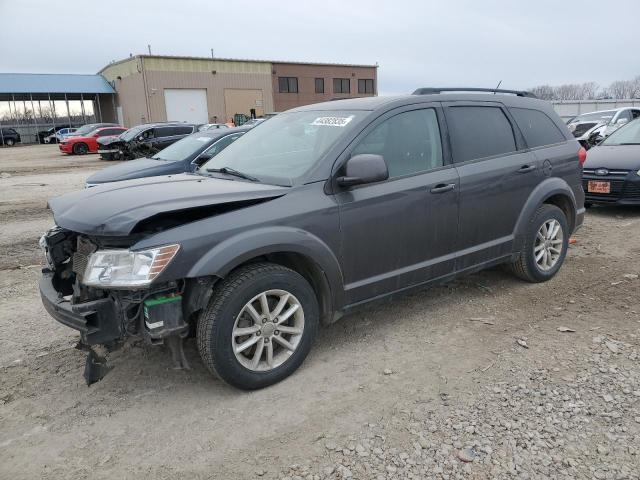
<point>435,90</point>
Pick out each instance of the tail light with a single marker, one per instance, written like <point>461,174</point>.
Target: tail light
<point>582,155</point>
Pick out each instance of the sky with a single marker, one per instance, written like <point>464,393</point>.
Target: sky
<point>415,43</point>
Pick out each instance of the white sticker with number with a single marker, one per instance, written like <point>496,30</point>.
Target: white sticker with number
<point>332,121</point>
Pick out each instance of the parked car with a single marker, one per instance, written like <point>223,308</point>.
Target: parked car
<point>88,143</point>
<point>186,155</point>
<point>9,137</point>
<point>44,136</point>
<point>603,123</point>
<point>88,128</point>
<point>212,126</point>
<point>59,134</point>
<point>143,140</point>
<point>611,174</point>
<point>321,210</point>
<point>253,122</point>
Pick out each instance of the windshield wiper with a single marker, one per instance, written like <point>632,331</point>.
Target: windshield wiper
<point>235,173</point>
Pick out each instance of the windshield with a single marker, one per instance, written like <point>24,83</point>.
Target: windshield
<point>287,146</point>
<point>184,148</point>
<point>603,116</point>
<point>629,134</point>
<point>132,132</point>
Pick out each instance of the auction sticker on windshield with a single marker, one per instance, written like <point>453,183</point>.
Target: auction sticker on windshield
<point>333,121</point>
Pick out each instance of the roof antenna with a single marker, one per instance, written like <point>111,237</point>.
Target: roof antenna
<point>497,86</point>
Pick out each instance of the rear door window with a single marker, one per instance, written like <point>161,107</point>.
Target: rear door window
<point>538,129</point>
<point>478,132</point>
<point>183,130</point>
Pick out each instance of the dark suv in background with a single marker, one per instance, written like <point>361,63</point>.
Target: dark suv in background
<point>143,140</point>
<point>321,210</point>
<point>9,137</point>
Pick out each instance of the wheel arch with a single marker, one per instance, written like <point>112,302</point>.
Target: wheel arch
<point>293,248</point>
<point>553,191</point>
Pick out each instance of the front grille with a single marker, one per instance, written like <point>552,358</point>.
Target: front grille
<point>79,263</point>
<point>631,190</point>
<point>582,128</point>
<point>80,258</point>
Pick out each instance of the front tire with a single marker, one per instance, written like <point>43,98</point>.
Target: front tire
<point>259,326</point>
<point>9,142</point>
<point>80,148</point>
<point>546,244</point>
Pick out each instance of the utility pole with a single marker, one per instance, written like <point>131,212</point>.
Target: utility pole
<point>149,48</point>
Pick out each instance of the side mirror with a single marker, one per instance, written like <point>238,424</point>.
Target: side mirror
<point>364,168</point>
<point>622,121</point>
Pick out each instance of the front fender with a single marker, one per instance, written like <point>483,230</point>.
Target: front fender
<point>545,190</point>
<point>240,248</point>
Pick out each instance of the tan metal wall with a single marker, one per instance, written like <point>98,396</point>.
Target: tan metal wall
<point>306,75</point>
<point>242,101</point>
<point>145,76</point>
<point>215,84</point>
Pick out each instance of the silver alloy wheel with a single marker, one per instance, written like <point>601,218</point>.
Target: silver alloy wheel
<point>548,245</point>
<point>267,330</point>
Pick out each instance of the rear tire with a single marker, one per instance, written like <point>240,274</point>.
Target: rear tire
<point>9,142</point>
<point>279,339</point>
<point>542,254</point>
<point>80,148</point>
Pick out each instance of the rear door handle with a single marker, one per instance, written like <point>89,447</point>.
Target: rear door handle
<point>443,187</point>
<point>526,168</point>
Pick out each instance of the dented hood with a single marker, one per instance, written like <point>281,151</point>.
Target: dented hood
<point>114,209</point>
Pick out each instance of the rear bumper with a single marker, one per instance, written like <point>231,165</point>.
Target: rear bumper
<point>97,320</point>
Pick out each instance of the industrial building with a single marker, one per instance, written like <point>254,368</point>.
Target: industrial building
<point>151,88</point>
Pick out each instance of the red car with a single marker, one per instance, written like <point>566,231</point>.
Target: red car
<point>88,143</point>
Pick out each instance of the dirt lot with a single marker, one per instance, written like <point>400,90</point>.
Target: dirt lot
<point>469,380</point>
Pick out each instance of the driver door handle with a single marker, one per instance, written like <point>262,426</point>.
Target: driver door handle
<point>443,187</point>
<point>526,168</point>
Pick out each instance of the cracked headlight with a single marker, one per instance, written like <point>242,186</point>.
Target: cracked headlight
<point>124,268</point>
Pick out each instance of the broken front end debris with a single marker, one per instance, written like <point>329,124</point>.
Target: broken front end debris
<point>73,291</point>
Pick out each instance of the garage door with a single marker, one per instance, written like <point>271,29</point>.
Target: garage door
<point>186,105</point>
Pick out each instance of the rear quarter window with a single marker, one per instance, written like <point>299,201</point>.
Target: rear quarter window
<point>538,129</point>
<point>478,132</point>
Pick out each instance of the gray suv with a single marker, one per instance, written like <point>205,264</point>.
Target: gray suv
<point>321,210</point>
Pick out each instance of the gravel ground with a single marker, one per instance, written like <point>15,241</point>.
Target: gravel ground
<point>487,377</point>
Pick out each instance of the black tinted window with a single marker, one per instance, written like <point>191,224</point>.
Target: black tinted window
<point>409,142</point>
<point>183,130</point>
<point>171,131</point>
<point>341,85</point>
<point>538,129</point>
<point>478,132</point>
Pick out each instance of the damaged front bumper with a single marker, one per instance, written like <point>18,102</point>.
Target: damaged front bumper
<point>97,320</point>
<point>158,314</point>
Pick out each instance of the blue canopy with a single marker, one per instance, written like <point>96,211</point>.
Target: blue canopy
<point>53,83</point>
